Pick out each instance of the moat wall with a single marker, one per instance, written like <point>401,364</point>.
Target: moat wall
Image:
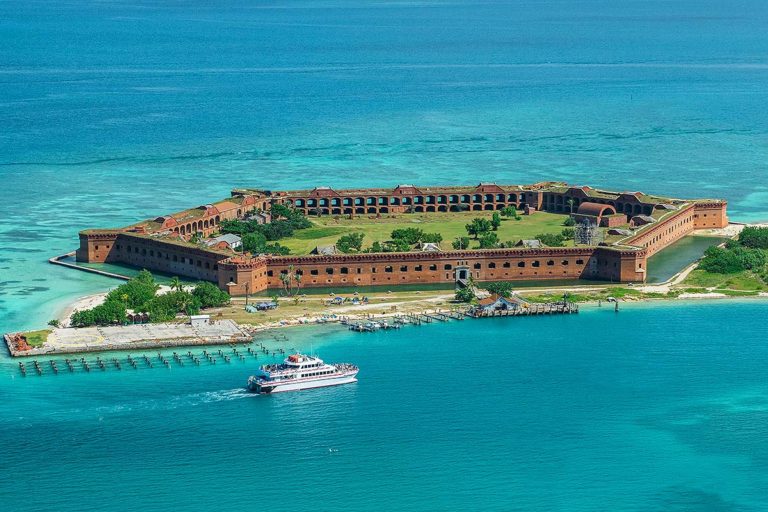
<point>240,275</point>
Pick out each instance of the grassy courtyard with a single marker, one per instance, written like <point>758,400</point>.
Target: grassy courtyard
<point>450,225</point>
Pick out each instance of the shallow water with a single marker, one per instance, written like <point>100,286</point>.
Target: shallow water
<point>118,111</point>
<point>654,408</point>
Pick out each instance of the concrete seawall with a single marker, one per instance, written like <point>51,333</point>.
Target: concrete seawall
<point>56,260</point>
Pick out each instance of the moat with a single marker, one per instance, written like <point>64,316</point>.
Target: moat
<point>625,229</point>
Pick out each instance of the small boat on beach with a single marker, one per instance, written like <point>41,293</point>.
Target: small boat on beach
<point>298,372</point>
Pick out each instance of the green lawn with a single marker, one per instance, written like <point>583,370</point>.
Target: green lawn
<point>37,338</point>
<point>450,225</point>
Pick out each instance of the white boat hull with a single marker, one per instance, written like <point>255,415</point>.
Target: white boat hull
<point>269,387</point>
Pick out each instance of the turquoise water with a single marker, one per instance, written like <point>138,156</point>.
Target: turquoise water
<point>654,408</point>
<point>116,111</point>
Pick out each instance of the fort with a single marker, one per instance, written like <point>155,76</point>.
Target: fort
<point>638,225</point>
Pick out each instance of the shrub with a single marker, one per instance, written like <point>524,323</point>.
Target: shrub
<point>409,235</point>
<point>489,241</point>
<point>478,227</point>
<point>503,288</point>
<point>550,239</point>
<point>495,221</point>
<point>461,243</point>
<point>465,295</point>
<point>569,221</point>
<point>209,295</point>
<point>754,237</point>
<point>350,242</point>
<point>720,261</point>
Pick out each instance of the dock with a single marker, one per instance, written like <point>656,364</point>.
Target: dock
<point>529,309</point>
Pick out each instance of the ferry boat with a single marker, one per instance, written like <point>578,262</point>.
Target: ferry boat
<point>300,371</point>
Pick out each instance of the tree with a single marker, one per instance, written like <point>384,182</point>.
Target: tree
<point>350,242</point>
<point>461,243</point>
<point>432,238</point>
<point>410,235</point>
<point>495,221</point>
<point>209,295</point>
<point>489,240</point>
<point>754,237</point>
<point>54,323</point>
<point>571,202</point>
<point>569,221</point>
<point>466,294</point>
<point>509,211</point>
<point>503,288</point>
<point>137,291</point>
<point>255,243</point>
<point>176,284</point>
<point>550,239</point>
<point>478,227</point>
<point>397,245</point>
<point>721,261</point>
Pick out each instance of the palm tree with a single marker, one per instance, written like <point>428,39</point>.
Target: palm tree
<point>285,279</point>
<point>571,202</point>
<point>297,278</point>
<point>176,284</point>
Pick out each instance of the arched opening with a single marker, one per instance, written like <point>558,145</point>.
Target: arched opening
<point>431,209</point>
<point>419,209</point>
<point>489,206</point>
<point>384,209</point>
<point>359,210</point>
<point>454,199</point>
<point>489,197</point>
<point>477,198</point>
<point>371,209</point>
<point>442,208</point>
<point>348,211</point>
<point>335,211</point>
<point>477,207</point>
<point>512,198</point>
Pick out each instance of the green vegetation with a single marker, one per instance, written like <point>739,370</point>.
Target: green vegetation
<point>754,237</point>
<point>502,288</point>
<point>351,242</point>
<point>37,338</point>
<point>255,236</point>
<point>460,243</point>
<point>140,295</point>
<point>413,236</point>
<point>479,227</point>
<point>741,265</point>
<point>326,230</point>
<point>489,240</point>
<point>291,281</point>
<point>551,239</point>
<point>465,294</point>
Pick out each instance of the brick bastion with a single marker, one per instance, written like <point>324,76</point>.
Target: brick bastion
<point>163,243</point>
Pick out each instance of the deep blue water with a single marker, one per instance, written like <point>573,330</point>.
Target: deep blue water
<point>115,111</point>
<point>656,408</point>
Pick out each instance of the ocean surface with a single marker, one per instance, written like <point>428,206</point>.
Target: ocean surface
<point>114,111</point>
<point>655,408</point>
